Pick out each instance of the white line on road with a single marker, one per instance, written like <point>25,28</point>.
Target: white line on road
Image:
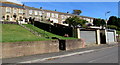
<point>66,55</point>
<point>61,56</point>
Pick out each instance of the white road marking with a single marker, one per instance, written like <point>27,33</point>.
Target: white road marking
<point>66,55</point>
<point>61,56</point>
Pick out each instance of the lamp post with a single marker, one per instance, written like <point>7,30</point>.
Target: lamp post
<point>106,17</point>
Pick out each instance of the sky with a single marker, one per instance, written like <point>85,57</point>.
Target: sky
<point>90,9</point>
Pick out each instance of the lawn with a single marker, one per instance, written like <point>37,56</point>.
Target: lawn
<point>45,33</point>
<point>118,32</point>
<point>14,33</point>
<point>0,32</point>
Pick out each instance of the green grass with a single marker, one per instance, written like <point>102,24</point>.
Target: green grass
<point>14,33</point>
<point>45,33</point>
<point>118,32</point>
<point>0,32</point>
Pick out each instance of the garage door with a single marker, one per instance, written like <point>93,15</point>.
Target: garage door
<point>88,36</point>
<point>110,37</point>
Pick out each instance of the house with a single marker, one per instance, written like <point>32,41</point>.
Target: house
<point>17,12</point>
<point>11,11</point>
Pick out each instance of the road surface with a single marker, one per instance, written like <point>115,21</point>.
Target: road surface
<point>106,55</point>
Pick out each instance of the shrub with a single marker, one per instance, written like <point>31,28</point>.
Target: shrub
<point>112,27</point>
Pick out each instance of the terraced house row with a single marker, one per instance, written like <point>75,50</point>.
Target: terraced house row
<point>16,12</point>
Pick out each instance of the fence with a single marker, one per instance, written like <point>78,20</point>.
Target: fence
<point>55,29</point>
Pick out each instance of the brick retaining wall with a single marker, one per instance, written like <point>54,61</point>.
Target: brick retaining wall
<point>70,44</point>
<point>16,49</point>
<point>73,44</point>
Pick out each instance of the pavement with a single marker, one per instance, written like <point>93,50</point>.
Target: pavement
<point>51,56</point>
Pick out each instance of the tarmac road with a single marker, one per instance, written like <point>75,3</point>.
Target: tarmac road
<point>96,54</point>
<point>107,55</point>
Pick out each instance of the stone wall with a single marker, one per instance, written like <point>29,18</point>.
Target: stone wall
<point>73,44</point>
<point>118,38</point>
<point>16,49</point>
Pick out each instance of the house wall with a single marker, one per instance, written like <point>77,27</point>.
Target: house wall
<point>11,13</point>
<point>0,13</point>
<point>56,17</point>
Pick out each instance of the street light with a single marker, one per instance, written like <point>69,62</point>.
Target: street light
<point>106,17</point>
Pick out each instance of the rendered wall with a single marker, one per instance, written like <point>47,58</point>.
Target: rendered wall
<point>17,49</point>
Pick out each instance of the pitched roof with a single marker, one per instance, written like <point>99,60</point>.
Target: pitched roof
<point>10,4</point>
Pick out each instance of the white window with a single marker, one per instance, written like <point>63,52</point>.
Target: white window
<point>30,11</point>
<point>36,13</point>
<point>68,16</point>
<point>88,19</point>
<point>40,13</point>
<point>48,14</point>
<point>56,15</point>
<point>20,11</point>
<point>43,12</point>
<point>84,18</point>
<point>62,16</point>
<point>52,14</point>
<point>91,20</point>
<point>80,17</point>
<point>15,10</point>
<point>65,17</point>
<point>8,10</point>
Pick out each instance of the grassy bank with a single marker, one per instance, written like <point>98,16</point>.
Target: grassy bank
<point>45,33</point>
<point>14,33</point>
<point>118,32</point>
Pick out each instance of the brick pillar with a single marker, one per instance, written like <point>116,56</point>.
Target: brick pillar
<point>98,36</point>
<point>78,33</point>
<point>115,39</point>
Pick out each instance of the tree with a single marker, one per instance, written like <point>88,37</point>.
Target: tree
<point>77,12</point>
<point>102,23</point>
<point>118,23</point>
<point>75,21</point>
<point>99,22</point>
<point>111,27</point>
<point>112,20</point>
